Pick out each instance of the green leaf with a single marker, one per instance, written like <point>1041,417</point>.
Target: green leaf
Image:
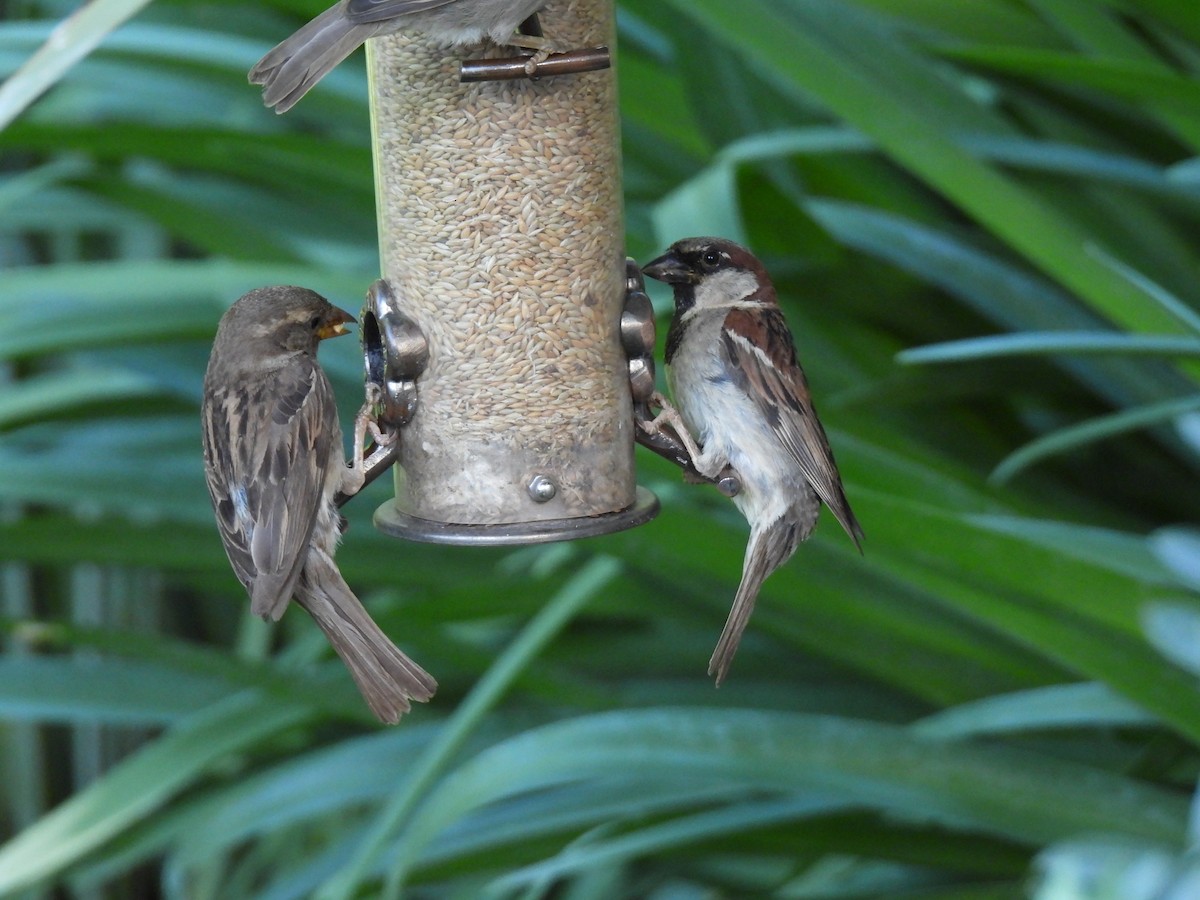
<point>116,691</point>
<point>1049,342</point>
<point>1110,868</point>
<point>44,310</point>
<point>1087,704</point>
<point>1067,440</point>
<point>138,786</point>
<point>1005,293</point>
<point>486,693</point>
<point>1179,550</point>
<point>708,204</point>
<point>1133,80</point>
<point>719,824</point>
<point>45,396</point>
<point>885,768</point>
<point>72,39</point>
<point>1174,630</point>
<point>806,48</point>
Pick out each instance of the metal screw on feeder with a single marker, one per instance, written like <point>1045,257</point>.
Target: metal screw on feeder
<point>501,238</point>
<point>543,489</point>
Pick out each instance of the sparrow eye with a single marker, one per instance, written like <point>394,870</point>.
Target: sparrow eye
<point>314,323</point>
<point>710,259</point>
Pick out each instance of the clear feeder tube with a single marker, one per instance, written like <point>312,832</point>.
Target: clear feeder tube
<point>501,236</point>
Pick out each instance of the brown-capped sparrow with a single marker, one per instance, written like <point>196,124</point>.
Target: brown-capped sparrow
<point>273,460</point>
<point>741,394</point>
<point>289,70</point>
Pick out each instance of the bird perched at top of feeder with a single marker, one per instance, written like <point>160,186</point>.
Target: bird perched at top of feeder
<point>273,461</point>
<point>740,392</point>
<point>289,70</point>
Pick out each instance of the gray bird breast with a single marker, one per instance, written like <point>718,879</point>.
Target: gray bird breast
<point>501,235</point>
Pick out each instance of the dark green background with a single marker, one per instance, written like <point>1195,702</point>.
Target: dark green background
<point>1004,684</point>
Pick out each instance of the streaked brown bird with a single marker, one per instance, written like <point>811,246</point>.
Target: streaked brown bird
<point>273,460</point>
<point>290,70</point>
<point>743,398</point>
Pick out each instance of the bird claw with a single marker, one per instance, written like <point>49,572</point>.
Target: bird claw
<point>669,417</point>
<point>365,467</point>
<point>529,37</point>
<point>531,65</point>
<point>383,435</point>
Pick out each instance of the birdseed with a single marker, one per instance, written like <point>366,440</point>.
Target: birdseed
<point>501,233</point>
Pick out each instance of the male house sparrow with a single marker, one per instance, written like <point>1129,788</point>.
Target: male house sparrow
<point>273,461</point>
<point>289,70</point>
<point>733,374</point>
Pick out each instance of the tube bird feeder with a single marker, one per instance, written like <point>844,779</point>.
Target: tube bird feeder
<point>502,245</point>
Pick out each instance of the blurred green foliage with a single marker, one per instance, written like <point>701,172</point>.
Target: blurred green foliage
<point>982,218</point>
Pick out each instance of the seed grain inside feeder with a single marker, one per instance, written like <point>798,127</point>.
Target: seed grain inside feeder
<point>501,236</point>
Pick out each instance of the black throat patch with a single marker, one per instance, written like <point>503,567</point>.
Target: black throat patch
<point>685,299</point>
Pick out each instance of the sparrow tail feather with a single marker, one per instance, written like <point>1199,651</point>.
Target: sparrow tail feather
<point>294,66</point>
<point>385,676</point>
<point>768,549</point>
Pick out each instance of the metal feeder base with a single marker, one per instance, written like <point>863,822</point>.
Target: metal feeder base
<point>392,521</point>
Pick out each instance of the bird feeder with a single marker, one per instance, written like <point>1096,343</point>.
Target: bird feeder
<point>496,332</point>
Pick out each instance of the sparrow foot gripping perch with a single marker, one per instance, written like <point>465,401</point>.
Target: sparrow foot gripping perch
<point>672,442</point>
<point>384,449</point>
<point>544,61</point>
<point>571,62</point>
<point>390,393</point>
<point>669,417</point>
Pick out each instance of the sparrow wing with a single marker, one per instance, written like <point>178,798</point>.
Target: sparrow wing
<point>758,349</point>
<point>360,11</point>
<point>266,447</point>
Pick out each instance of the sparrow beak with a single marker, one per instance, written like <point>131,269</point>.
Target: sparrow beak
<point>671,269</point>
<point>335,325</point>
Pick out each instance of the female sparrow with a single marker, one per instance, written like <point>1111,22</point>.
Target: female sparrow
<point>294,66</point>
<point>733,374</point>
<point>273,461</point>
